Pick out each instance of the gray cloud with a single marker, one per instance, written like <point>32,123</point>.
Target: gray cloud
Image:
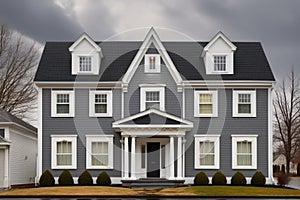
<point>40,20</point>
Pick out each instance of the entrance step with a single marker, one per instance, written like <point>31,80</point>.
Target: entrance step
<point>152,183</point>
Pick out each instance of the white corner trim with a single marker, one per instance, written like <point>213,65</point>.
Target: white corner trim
<point>40,134</point>
<point>270,135</point>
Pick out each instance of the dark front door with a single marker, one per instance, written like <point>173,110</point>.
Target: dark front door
<point>153,159</point>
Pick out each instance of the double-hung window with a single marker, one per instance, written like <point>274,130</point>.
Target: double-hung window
<point>85,63</point>
<point>152,97</point>
<point>62,103</point>
<point>244,152</point>
<point>152,63</point>
<point>206,103</point>
<point>207,151</point>
<point>220,63</point>
<point>64,151</point>
<point>100,103</point>
<point>99,151</point>
<point>244,103</point>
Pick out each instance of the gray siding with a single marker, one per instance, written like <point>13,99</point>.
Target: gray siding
<point>173,99</point>
<point>226,125</point>
<point>82,125</point>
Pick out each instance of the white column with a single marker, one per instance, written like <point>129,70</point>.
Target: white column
<point>133,157</point>
<point>179,156</point>
<point>171,157</point>
<point>6,167</point>
<point>183,157</point>
<point>126,158</point>
<point>122,157</point>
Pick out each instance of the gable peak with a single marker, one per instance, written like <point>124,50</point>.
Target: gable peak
<point>221,35</point>
<point>86,37</point>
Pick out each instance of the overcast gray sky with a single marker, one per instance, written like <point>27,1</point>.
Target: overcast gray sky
<point>274,23</point>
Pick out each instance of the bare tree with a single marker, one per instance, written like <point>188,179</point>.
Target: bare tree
<point>18,62</point>
<point>287,118</point>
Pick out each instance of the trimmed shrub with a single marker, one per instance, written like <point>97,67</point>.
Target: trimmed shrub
<point>283,179</point>
<point>298,169</point>
<point>103,179</point>
<point>85,178</point>
<point>238,179</point>
<point>219,179</point>
<point>47,179</point>
<point>201,179</point>
<point>258,179</point>
<point>65,178</point>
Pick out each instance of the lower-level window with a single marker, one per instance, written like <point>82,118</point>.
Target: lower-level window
<point>64,151</point>
<point>244,152</point>
<point>207,151</point>
<point>99,151</point>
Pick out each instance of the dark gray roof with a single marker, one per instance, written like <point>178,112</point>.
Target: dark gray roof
<point>250,62</point>
<point>7,117</point>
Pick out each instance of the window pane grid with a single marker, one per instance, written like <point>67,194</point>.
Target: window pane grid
<point>219,63</point>
<point>244,103</point>
<point>205,104</point>
<point>62,103</point>
<point>152,100</point>
<point>100,103</point>
<point>85,63</point>
<point>152,62</point>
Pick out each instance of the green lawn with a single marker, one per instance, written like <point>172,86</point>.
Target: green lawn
<point>180,191</point>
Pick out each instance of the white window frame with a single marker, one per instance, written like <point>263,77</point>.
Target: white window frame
<point>54,94</point>
<point>160,89</point>
<point>92,103</point>
<point>214,102</point>
<point>235,99</point>
<point>157,63</point>
<point>99,138</point>
<point>241,138</point>
<point>85,72</point>
<point>60,138</point>
<point>211,138</point>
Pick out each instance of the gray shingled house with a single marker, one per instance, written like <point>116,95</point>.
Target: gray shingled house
<point>154,110</point>
<point>18,151</point>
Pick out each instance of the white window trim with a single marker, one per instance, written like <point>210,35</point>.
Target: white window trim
<point>71,103</point>
<point>147,63</point>
<point>235,96</point>
<point>215,103</point>
<point>216,140</point>
<point>239,138</point>
<point>109,103</point>
<point>161,91</point>
<point>226,64</point>
<point>99,138</point>
<point>59,138</point>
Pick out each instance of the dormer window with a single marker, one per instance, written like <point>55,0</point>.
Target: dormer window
<point>220,63</point>
<point>152,63</point>
<point>85,63</point>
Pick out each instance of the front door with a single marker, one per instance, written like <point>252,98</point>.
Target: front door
<point>153,159</point>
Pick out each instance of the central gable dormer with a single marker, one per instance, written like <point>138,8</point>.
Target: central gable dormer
<point>218,55</point>
<point>86,56</point>
<point>154,54</point>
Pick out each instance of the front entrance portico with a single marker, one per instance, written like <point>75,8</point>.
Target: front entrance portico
<point>150,150</point>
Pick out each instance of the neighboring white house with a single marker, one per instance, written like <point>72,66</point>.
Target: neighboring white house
<point>18,151</point>
<point>281,160</point>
